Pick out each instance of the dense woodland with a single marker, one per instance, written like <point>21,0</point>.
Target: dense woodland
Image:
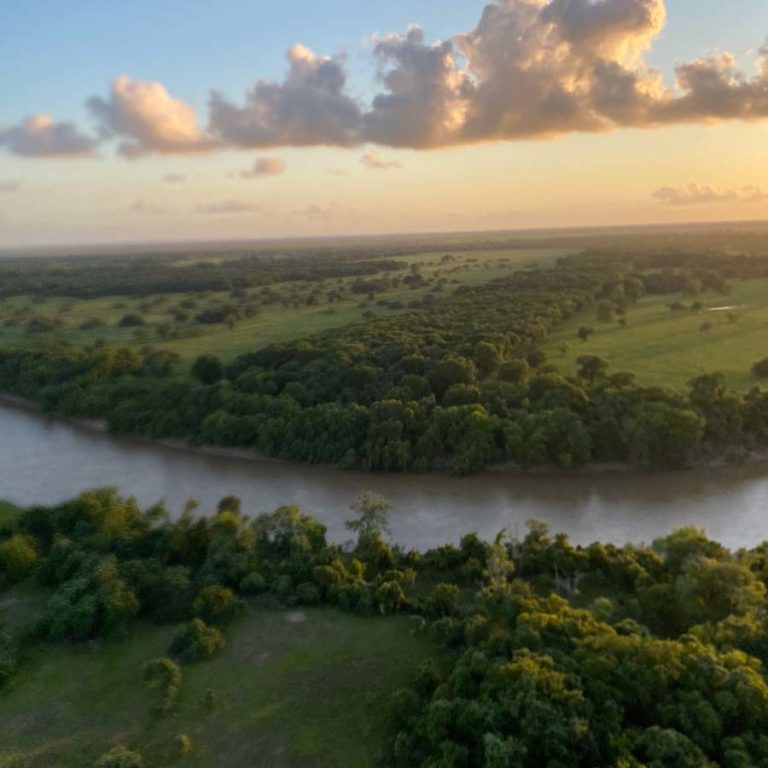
<point>458,382</point>
<point>552,654</point>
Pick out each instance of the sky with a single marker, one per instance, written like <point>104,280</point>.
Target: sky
<point>164,120</point>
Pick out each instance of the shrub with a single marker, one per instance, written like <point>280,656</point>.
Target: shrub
<point>253,584</point>
<point>196,641</point>
<point>164,675</point>
<point>120,757</point>
<point>760,368</point>
<point>18,556</point>
<point>216,604</point>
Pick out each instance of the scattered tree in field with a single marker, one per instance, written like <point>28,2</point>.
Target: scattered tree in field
<point>585,332</point>
<point>706,327</point>
<point>131,321</point>
<point>606,311</point>
<point>591,367</point>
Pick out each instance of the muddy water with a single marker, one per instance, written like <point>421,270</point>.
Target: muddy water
<point>44,461</point>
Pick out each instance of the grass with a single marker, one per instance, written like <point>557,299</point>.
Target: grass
<point>310,694</point>
<point>667,348</point>
<point>273,322</point>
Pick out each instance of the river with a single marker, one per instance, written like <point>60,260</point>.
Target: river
<point>43,461</point>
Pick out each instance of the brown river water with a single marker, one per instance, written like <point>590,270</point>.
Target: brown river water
<point>44,461</point>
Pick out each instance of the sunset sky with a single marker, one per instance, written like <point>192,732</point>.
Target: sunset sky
<point>184,119</point>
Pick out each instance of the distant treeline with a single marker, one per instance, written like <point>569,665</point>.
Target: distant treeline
<point>553,654</point>
<point>459,383</point>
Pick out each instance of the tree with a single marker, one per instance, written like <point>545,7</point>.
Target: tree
<point>208,369</point>
<point>606,311</point>
<point>372,517</point>
<point>585,332</point>
<point>18,556</point>
<point>196,641</point>
<point>760,368</point>
<point>591,367</point>
<point>164,675</point>
<point>120,757</point>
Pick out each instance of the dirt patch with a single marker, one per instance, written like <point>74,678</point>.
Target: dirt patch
<point>295,617</point>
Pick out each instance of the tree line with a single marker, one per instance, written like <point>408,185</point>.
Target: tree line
<point>457,384</point>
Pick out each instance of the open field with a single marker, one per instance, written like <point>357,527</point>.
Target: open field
<point>308,689</point>
<point>668,348</point>
<point>259,316</point>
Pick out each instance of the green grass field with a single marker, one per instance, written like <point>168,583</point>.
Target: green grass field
<point>286,317</point>
<point>288,693</point>
<point>665,347</point>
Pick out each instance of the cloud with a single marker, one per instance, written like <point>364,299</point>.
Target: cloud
<point>9,186</point>
<point>426,94</point>
<point>145,208</point>
<point>42,136</point>
<point>174,178</point>
<point>695,194</point>
<point>148,119</point>
<point>226,207</point>
<point>373,162</point>
<point>264,166</point>
<point>318,211</point>
<point>308,108</point>
<point>528,69</point>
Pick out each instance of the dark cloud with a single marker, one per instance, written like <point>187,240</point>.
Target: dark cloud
<point>42,136</point>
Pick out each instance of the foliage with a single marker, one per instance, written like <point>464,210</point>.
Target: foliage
<point>120,757</point>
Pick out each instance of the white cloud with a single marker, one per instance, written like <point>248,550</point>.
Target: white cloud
<point>146,118</point>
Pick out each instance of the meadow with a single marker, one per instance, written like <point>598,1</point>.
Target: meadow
<point>668,347</point>
<point>246,320</point>
<point>307,688</point>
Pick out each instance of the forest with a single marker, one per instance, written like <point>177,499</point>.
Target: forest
<point>525,652</point>
<point>456,381</point>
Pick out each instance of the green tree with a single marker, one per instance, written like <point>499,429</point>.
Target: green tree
<point>208,369</point>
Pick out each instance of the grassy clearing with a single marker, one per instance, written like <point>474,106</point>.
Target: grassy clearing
<point>284,317</point>
<point>312,693</point>
<point>668,348</point>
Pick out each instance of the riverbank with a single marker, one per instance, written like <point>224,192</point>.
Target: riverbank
<point>100,426</point>
<point>45,461</point>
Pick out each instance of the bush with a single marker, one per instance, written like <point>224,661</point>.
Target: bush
<point>760,368</point>
<point>196,641</point>
<point>131,321</point>
<point>120,757</point>
<point>164,675</point>
<point>18,556</point>
<point>216,604</point>
<point>253,584</point>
